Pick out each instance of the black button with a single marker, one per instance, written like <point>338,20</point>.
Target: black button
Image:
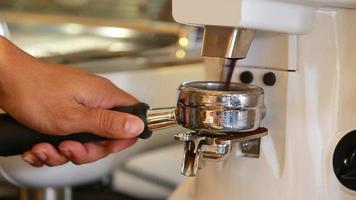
<point>344,160</point>
<point>246,77</point>
<point>269,79</point>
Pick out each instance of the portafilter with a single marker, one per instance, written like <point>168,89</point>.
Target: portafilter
<point>210,107</point>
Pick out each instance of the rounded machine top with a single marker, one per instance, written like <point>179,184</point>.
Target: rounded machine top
<point>267,15</point>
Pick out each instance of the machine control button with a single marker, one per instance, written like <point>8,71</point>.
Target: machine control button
<point>246,77</point>
<point>344,160</point>
<point>269,78</point>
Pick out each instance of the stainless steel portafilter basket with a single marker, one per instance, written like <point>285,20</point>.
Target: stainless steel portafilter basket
<point>215,108</point>
<point>212,107</point>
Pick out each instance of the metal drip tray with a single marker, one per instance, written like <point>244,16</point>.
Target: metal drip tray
<point>75,43</point>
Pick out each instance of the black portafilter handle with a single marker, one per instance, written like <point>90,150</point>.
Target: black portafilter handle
<point>16,139</point>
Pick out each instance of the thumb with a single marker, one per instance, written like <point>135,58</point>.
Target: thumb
<point>111,124</point>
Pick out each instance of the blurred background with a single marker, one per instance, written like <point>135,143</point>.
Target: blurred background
<point>137,45</point>
<point>104,9</point>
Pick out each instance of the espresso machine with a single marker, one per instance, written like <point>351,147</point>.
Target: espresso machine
<point>302,53</point>
<point>284,129</point>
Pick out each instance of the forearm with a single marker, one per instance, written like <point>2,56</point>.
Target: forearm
<point>7,69</point>
<point>5,45</point>
<point>4,69</point>
<point>14,64</point>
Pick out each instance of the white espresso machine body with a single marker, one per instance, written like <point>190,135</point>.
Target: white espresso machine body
<point>311,112</point>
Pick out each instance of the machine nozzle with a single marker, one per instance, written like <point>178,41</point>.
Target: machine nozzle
<point>227,42</point>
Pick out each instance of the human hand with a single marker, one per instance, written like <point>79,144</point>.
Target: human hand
<point>59,100</point>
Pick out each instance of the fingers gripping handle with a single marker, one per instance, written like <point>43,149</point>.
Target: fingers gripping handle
<point>15,138</point>
<point>140,110</point>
